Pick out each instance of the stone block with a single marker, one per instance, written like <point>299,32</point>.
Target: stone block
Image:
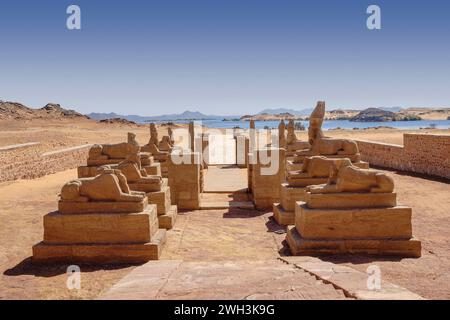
<point>153,169</point>
<point>100,253</point>
<point>161,199</point>
<point>281,216</point>
<point>388,247</point>
<point>290,195</point>
<point>71,207</point>
<point>373,223</point>
<point>346,200</point>
<point>167,221</point>
<point>111,228</point>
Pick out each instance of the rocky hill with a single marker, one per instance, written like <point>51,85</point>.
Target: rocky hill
<point>379,115</point>
<point>17,111</point>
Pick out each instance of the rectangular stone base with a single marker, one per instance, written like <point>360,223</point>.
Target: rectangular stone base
<point>154,169</point>
<point>101,227</point>
<point>345,200</point>
<point>388,247</point>
<point>167,221</point>
<point>374,223</point>
<point>281,216</point>
<point>264,203</point>
<point>290,195</point>
<point>100,253</point>
<point>69,207</point>
<point>161,199</point>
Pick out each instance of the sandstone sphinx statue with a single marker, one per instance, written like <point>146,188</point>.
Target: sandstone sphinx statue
<point>344,177</point>
<point>136,177</point>
<point>293,144</point>
<point>315,170</point>
<point>109,186</point>
<point>355,212</point>
<point>153,145</point>
<point>321,145</point>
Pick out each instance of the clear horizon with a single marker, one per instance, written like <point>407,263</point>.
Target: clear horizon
<point>231,57</point>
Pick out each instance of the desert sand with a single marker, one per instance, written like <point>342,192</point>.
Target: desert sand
<point>21,218</point>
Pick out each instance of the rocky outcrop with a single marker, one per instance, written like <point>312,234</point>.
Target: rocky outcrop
<point>17,111</point>
<point>379,115</point>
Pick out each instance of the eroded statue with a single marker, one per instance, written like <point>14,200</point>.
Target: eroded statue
<point>321,145</point>
<point>344,177</point>
<point>113,151</point>
<point>109,186</point>
<point>133,173</point>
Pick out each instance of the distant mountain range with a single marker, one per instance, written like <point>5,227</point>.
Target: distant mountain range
<point>196,115</point>
<point>187,115</point>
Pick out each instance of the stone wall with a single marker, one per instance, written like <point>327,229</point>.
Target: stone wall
<point>421,153</point>
<point>28,162</point>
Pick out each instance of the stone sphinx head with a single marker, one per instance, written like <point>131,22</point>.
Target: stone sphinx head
<point>315,121</point>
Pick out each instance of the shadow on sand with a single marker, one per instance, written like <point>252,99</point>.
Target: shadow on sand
<point>27,267</point>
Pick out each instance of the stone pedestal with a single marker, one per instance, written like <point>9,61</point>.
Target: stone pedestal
<point>101,236</point>
<point>352,223</point>
<point>284,212</point>
<point>154,169</point>
<point>185,180</point>
<point>266,178</point>
<point>167,213</point>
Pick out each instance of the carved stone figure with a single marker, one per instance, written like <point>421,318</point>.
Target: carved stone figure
<point>109,186</point>
<point>282,134</point>
<point>321,145</point>
<point>318,167</point>
<point>165,144</point>
<point>135,175</point>
<point>112,151</point>
<point>345,177</point>
<point>153,134</point>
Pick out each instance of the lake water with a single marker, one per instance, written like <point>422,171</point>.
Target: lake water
<point>327,124</point>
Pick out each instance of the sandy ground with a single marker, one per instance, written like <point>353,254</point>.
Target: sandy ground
<point>61,134</point>
<point>23,204</point>
<point>429,275</point>
<point>215,235</point>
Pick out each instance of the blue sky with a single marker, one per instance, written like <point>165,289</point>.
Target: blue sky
<point>224,56</point>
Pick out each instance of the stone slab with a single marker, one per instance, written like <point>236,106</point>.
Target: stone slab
<point>375,223</point>
<point>347,200</point>
<point>100,253</point>
<point>154,169</point>
<point>167,221</point>
<point>281,216</point>
<point>349,280</point>
<point>161,199</point>
<point>290,195</point>
<point>70,207</point>
<point>387,247</point>
<point>111,228</point>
